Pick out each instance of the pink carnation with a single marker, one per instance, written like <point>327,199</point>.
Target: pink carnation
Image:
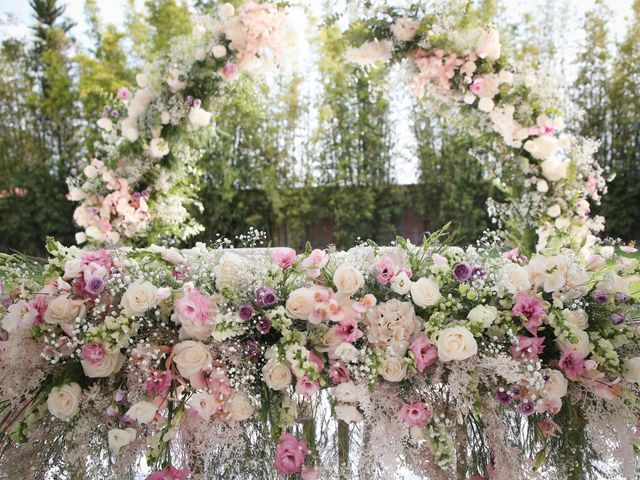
<point>290,454</point>
<point>415,414</point>
<point>284,257</point>
<point>194,307</point>
<point>424,352</point>
<point>159,382</point>
<point>527,347</point>
<point>531,308</point>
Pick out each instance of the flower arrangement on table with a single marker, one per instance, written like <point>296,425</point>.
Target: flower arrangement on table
<point>159,343</point>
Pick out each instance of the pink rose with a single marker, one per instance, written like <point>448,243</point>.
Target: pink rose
<point>171,473</point>
<point>290,454</point>
<point>307,387</point>
<point>348,330</point>
<point>93,353</point>
<point>284,257</point>
<point>424,352</point>
<point>415,414</point>
<point>531,308</point>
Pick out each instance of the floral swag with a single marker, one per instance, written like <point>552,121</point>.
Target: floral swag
<point>483,362</point>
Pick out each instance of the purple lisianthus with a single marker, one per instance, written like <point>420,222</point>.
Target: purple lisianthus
<point>246,312</point>
<point>618,318</point>
<point>527,408</point>
<point>263,325</point>
<point>120,396</point>
<point>622,297</point>
<point>253,349</point>
<point>111,413</point>
<point>600,297</point>
<point>94,286</point>
<point>4,335</point>
<point>266,296</point>
<point>462,272</point>
<point>503,396</point>
<point>127,422</point>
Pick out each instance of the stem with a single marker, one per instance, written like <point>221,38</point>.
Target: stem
<point>344,468</point>
<point>461,450</point>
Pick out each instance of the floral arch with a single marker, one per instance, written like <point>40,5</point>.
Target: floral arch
<point>221,363</point>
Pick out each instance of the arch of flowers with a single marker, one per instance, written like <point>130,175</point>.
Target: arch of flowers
<point>451,362</point>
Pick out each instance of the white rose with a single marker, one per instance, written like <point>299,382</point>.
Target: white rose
<point>129,127</point>
<point>393,369</point>
<point>554,169</point>
<point>142,412</point>
<point>277,375</point>
<point>582,347</point>
<point>63,310</point>
<point>219,51</point>
<point>227,10</point>
<point>142,80</point>
<point>63,401</point>
<point>227,268</point>
<point>542,186</point>
<point>191,357</point>
<point>456,343</point>
<point>346,392</point>
<point>425,292</point>
<point>556,385</point>
<point>158,148</point>
<point>514,278</point>
<point>489,46</point>
<point>119,438</point>
<point>554,210</point>
<point>110,363</point>
<point>141,99</point>
<point>404,29</point>
<point>174,82</point>
<point>348,413</point>
<point>347,352</point>
<point>300,303</point>
<point>239,407</point>
<point>199,117</point>
<point>139,297</point>
<point>105,123</point>
<point>483,314</point>
<point>486,105</point>
<point>348,280</point>
<point>165,117</point>
<point>543,147</point>
<point>633,369</point>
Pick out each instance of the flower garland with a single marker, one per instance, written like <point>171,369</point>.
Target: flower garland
<point>154,343</point>
<point>142,188</point>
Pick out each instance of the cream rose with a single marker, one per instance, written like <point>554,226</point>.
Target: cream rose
<point>633,369</point>
<point>142,412</point>
<point>346,392</point>
<point>348,413</point>
<point>191,357</point>
<point>158,148</point>
<point>483,314</point>
<point>582,347</point>
<point>63,401</point>
<point>63,310</point>
<point>543,147</point>
<point>119,438</point>
<point>111,362</point>
<point>199,117</point>
<point>129,127</point>
<point>239,407</point>
<point>300,303</point>
<point>347,352</point>
<point>404,29</point>
<point>139,297</point>
<point>425,292</point>
<point>456,343</point>
<point>579,318</point>
<point>556,385</point>
<point>393,369</point>
<point>554,169</point>
<point>489,46</point>
<point>277,375</point>
<point>348,280</point>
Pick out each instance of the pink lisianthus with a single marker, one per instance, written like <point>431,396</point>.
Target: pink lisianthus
<point>229,72</point>
<point>171,473</point>
<point>194,307</point>
<point>527,347</point>
<point>384,270</point>
<point>315,359</point>
<point>348,330</point>
<point>284,257</point>
<point>572,363</point>
<point>316,260</point>
<point>415,414</point>
<point>159,382</point>
<point>93,353</point>
<point>338,373</point>
<point>306,387</point>
<point>531,308</point>
<point>290,454</point>
<point>425,353</point>
<point>123,93</point>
